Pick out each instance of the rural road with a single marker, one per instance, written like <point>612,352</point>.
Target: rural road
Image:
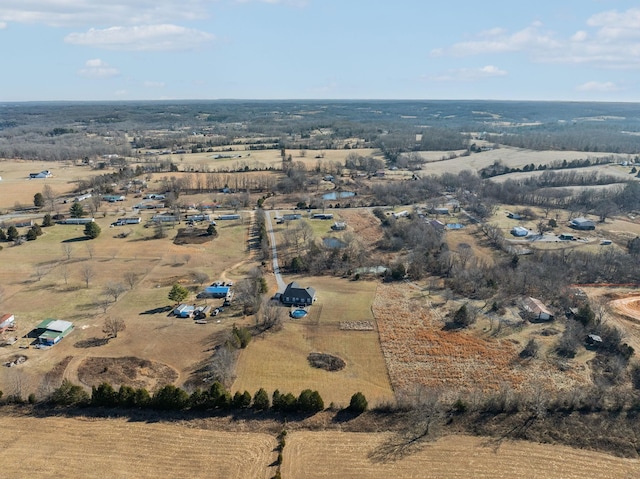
<point>274,253</point>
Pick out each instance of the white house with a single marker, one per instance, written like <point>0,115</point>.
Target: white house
<point>42,174</point>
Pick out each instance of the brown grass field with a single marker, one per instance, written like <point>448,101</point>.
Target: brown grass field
<point>279,360</point>
<point>419,351</point>
<point>87,447</point>
<point>346,455</point>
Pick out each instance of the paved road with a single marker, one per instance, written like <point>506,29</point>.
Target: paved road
<point>274,253</point>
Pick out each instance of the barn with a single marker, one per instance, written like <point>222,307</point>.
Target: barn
<point>51,331</point>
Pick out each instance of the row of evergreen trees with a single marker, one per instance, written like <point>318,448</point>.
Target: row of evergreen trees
<point>172,398</point>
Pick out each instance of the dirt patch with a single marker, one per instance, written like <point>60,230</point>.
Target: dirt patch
<point>16,360</point>
<point>192,236</point>
<point>328,362</point>
<point>132,371</point>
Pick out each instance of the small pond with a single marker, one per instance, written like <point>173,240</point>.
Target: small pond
<point>334,243</point>
<point>334,195</point>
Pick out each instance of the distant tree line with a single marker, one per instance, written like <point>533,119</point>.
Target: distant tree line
<point>597,137</point>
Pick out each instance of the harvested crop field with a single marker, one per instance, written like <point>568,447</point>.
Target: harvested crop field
<point>349,455</point>
<point>84,448</point>
<point>420,351</point>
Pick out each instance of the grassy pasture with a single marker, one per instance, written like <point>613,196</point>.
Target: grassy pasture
<point>90,448</point>
<point>279,360</point>
<point>510,156</point>
<point>16,187</point>
<point>345,455</point>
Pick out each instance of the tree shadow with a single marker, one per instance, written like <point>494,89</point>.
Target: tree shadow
<point>398,447</point>
<point>76,240</point>
<point>91,343</point>
<point>162,309</point>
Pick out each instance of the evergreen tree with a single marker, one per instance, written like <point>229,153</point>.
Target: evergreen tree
<point>92,230</point>
<point>31,235</point>
<point>76,210</point>
<point>358,403</point>
<point>261,400</point>
<point>12,233</point>
<point>103,396</point>
<point>178,293</point>
<point>38,200</point>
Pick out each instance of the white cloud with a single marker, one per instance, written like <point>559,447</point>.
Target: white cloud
<point>498,40</point>
<point>3,25</point>
<point>93,12</point>
<point>579,36</point>
<point>610,40</point>
<point>97,68</point>
<point>599,87</point>
<point>141,38</point>
<point>470,74</point>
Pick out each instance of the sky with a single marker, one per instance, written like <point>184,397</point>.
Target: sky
<point>119,50</point>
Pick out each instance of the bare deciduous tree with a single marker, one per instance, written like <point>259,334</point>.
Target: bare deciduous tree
<point>114,289</point>
<point>112,326</point>
<point>88,273</point>
<point>39,272</point>
<point>131,278</point>
<point>104,302</point>
<point>271,314</point>
<point>49,197</point>
<point>64,272</point>
<point>67,249</point>
<point>200,277</point>
<point>91,250</point>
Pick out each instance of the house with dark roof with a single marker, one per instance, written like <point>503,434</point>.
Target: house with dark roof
<point>582,224</point>
<point>295,295</point>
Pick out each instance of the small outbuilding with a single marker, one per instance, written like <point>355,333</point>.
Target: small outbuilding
<point>51,331</point>
<point>536,310</point>
<point>184,310</point>
<point>339,226</point>
<point>7,322</point>
<point>519,231</point>
<point>295,295</point>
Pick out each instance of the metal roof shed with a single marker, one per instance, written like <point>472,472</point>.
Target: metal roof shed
<point>54,331</point>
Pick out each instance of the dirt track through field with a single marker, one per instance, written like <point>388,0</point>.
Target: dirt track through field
<point>343,455</point>
<point>629,322</point>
